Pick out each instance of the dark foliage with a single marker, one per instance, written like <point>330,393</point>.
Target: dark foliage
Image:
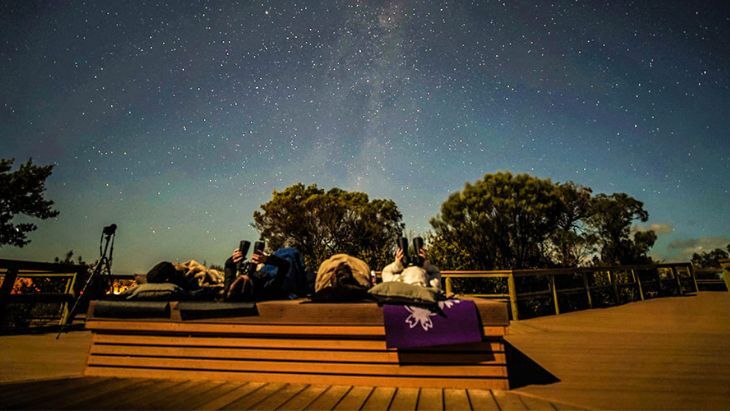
<point>501,221</point>
<point>611,218</point>
<point>321,223</point>
<point>710,259</point>
<point>21,193</point>
<point>506,221</point>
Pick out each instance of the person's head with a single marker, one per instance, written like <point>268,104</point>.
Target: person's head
<point>342,276</point>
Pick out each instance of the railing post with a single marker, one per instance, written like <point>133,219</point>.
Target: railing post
<point>449,289</point>
<point>513,296</point>
<point>67,305</point>
<point>691,271</point>
<point>658,281</point>
<point>8,281</point>
<point>555,294</point>
<point>725,264</point>
<point>678,281</point>
<point>637,281</point>
<point>588,290</point>
<point>612,280</point>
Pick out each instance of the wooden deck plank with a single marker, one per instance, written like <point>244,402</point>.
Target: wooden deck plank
<point>238,392</point>
<point>565,407</point>
<point>299,343</point>
<point>204,398</point>
<point>7,388</point>
<point>249,401</point>
<point>275,401</point>
<point>304,397</point>
<point>297,367</point>
<point>304,378</point>
<point>144,394</point>
<point>91,398</point>
<point>329,398</point>
<point>456,399</point>
<point>507,401</point>
<point>482,400</point>
<point>182,400</point>
<point>431,399</point>
<point>381,357</point>
<point>354,399</point>
<point>405,399</point>
<point>272,329</point>
<point>537,404</point>
<point>19,390</point>
<point>241,342</point>
<point>380,399</point>
<point>112,399</point>
<point>24,399</point>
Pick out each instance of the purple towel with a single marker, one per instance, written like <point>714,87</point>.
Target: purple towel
<point>410,326</point>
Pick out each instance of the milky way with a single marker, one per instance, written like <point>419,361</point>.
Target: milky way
<point>176,121</point>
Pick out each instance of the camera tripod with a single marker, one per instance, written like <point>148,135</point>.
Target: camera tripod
<point>99,280</point>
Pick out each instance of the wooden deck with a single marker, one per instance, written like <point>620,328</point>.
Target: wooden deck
<point>134,393</point>
<point>668,353</point>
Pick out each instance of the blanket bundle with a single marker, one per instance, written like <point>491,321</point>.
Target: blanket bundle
<point>200,274</point>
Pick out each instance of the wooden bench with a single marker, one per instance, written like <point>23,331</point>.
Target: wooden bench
<point>294,342</point>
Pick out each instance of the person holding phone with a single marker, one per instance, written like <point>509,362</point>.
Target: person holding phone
<point>264,276</point>
<point>417,272</point>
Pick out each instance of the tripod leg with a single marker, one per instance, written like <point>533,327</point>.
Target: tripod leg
<point>91,289</point>
<point>77,303</point>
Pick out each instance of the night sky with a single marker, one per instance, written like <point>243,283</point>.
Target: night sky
<point>177,120</point>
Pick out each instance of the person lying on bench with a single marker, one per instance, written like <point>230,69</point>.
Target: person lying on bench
<point>419,272</point>
<point>264,277</point>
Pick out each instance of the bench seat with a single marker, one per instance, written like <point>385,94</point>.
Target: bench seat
<point>292,341</point>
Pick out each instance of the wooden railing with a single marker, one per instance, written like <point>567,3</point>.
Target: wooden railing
<point>599,286</point>
<point>64,279</point>
<point>710,279</point>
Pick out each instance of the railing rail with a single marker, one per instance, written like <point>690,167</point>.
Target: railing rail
<point>69,279</point>
<point>67,276</point>
<point>711,279</point>
<point>517,286</point>
<point>616,281</point>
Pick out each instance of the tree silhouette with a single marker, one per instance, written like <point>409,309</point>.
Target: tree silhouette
<point>710,259</point>
<point>501,221</point>
<point>321,224</point>
<point>21,193</point>
<point>611,219</point>
<point>508,221</point>
<point>571,242</point>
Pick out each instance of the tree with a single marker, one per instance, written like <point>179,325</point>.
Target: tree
<point>611,220</point>
<point>501,221</point>
<point>710,259</point>
<point>321,224</point>
<point>570,242</point>
<point>21,193</point>
<point>448,254</point>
